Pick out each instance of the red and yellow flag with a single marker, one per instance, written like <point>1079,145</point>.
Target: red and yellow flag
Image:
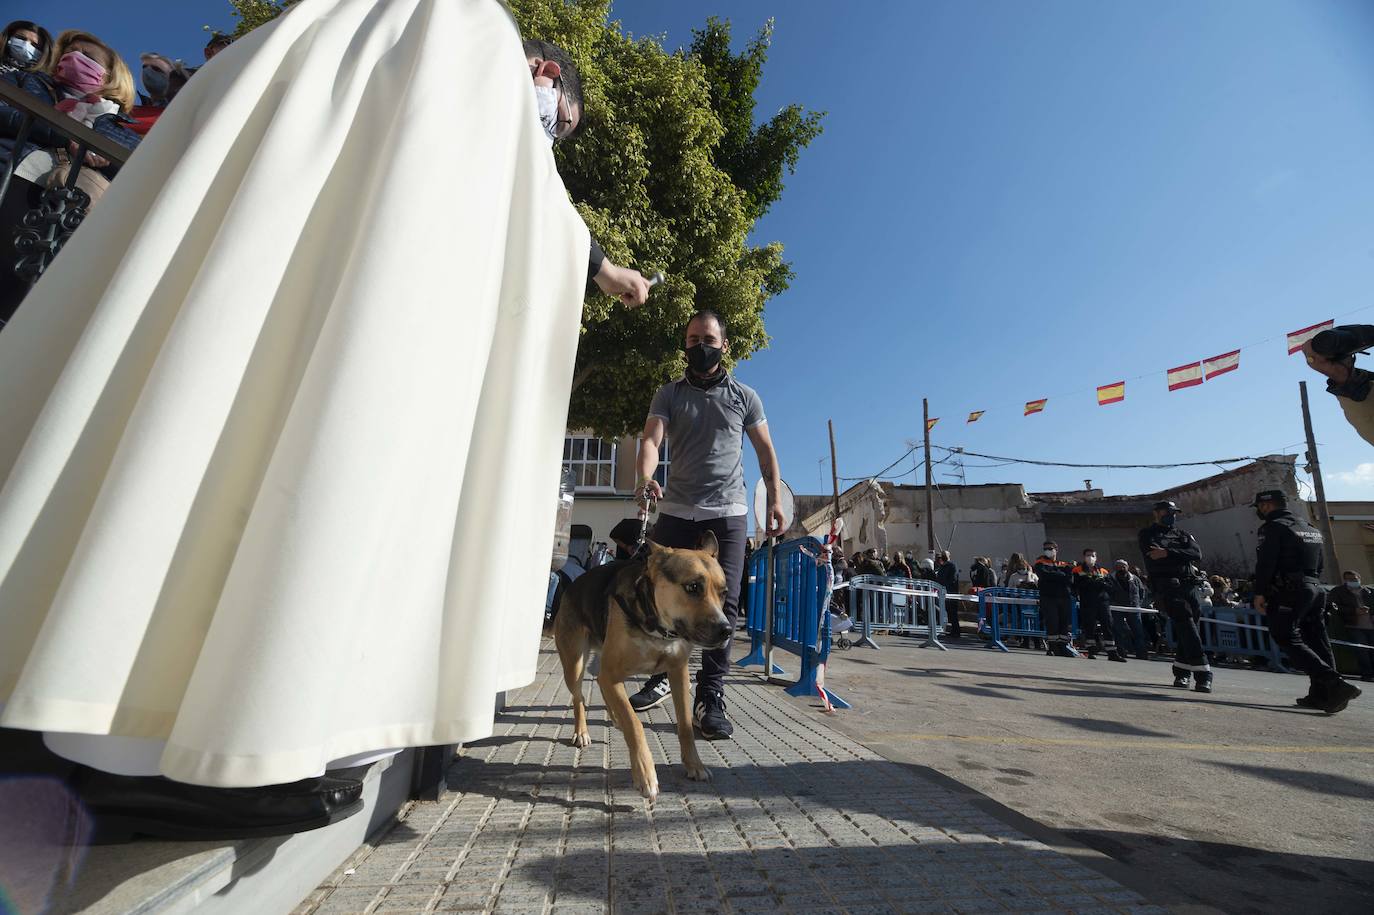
<point>1185,376</point>
<point>1220,365</point>
<point>1111,393</point>
<point>973,417</point>
<point>1298,337</point>
<point>930,423</point>
<point>1035,406</point>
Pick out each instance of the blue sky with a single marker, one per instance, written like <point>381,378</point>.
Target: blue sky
<point>1019,200</point>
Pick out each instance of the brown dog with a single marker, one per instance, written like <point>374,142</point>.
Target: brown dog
<point>644,615</point>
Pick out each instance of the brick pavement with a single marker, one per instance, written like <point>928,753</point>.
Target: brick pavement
<point>797,818</point>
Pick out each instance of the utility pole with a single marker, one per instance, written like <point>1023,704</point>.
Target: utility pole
<point>1314,467</point>
<point>930,502</point>
<point>835,485</point>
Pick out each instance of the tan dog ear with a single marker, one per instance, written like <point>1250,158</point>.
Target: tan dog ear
<point>654,547</point>
<point>709,545</point>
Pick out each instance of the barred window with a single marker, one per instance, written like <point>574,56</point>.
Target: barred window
<point>592,461</point>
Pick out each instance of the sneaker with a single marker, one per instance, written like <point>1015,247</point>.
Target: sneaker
<point>1115,655</point>
<point>1309,701</point>
<point>652,694</point>
<point>1338,696</point>
<point>708,714</point>
<point>1182,678</point>
<point>1203,682</point>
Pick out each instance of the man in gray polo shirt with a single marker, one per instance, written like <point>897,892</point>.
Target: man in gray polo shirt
<point>706,414</point>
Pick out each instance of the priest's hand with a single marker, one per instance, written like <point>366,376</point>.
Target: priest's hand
<point>625,283</point>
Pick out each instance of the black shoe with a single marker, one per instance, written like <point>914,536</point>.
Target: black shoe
<point>708,714</point>
<point>652,694</point>
<point>1338,696</point>
<point>1309,701</point>
<point>1203,682</point>
<point>1115,655</point>
<point>1182,678</point>
<point>126,806</point>
<point>1092,654</point>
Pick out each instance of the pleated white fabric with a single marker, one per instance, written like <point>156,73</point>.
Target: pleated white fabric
<point>280,429</point>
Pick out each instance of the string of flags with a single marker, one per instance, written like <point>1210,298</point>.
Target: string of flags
<point>1177,378</point>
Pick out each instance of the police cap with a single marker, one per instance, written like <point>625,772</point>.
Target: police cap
<point>1277,496</point>
<point>1164,505</point>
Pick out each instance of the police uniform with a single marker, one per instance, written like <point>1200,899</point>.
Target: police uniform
<point>1093,585</point>
<point>1055,602</point>
<point>1288,568</point>
<point>1174,579</point>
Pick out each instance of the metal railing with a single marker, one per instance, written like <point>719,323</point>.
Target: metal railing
<point>906,606</point>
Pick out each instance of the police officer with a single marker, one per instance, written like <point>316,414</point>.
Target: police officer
<point>1287,571</point>
<point>1056,599</point>
<point>1171,560</point>
<point>1093,585</point>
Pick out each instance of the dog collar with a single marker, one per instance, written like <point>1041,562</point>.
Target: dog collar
<point>643,612</point>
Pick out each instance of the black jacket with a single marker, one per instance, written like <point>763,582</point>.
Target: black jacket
<point>1182,547</point>
<point>948,576</point>
<point>1289,554</point>
<point>981,576</point>
<point>1092,586</point>
<point>1129,593</point>
<point>1056,578</point>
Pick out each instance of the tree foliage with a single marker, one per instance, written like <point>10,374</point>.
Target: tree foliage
<point>670,173</point>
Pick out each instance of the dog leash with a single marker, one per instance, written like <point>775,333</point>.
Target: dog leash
<point>646,508</point>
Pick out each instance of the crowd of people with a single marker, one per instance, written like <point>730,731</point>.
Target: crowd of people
<point>1121,633</point>
<point>86,79</point>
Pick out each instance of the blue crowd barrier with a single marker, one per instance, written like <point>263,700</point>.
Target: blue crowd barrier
<point>801,613</point>
<point>1006,612</point>
<point>1246,636</point>
<point>897,605</point>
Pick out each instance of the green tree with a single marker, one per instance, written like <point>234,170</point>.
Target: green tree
<point>670,173</point>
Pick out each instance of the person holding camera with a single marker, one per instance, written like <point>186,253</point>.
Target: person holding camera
<point>1332,353</point>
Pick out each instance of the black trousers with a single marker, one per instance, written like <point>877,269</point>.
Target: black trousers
<point>1297,622</point>
<point>1055,616</point>
<point>1179,603</point>
<point>1096,622</point>
<point>680,533</point>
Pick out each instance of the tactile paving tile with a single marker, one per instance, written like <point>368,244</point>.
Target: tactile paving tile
<point>796,818</point>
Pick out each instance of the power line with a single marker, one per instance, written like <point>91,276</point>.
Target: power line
<point>1218,462</point>
<point>873,476</point>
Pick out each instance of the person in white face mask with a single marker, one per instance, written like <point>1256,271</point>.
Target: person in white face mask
<point>25,46</point>
<point>1055,583</point>
<point>558,90</point>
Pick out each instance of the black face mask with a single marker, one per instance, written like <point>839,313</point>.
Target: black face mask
<point>703,359</point>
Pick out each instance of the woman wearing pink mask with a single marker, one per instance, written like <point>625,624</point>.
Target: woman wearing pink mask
<point>90,83</point>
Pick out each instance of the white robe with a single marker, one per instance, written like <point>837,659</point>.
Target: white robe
<point>281,427</point>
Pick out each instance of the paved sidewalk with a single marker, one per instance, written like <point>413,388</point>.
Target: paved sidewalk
<point>797,818</point>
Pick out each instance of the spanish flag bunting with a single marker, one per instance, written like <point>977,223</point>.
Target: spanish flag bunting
<point>1220,365</point>
<point>973,417</point>
<point>930,423</point>
<point>1035,406</point>
<point>1298,337</point>
<point>1185,376</point>
<point>1111,393</point>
